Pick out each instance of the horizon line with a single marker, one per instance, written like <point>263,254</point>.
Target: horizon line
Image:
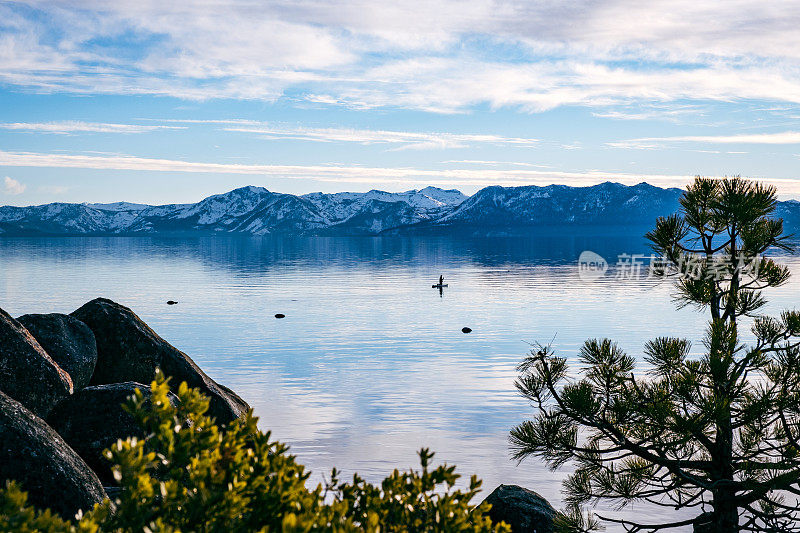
<point>466,196</point>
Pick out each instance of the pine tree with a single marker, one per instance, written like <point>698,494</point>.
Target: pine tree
<point>716,436</point>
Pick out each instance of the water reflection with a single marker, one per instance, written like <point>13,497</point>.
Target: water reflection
<point>370,363</point>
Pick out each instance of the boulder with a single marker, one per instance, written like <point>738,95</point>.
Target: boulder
<point>128,350</point>
<point>35,456</point>
<point>522,509</point>
<point>27,373</point>
<point>68,341</point>
<point>92,419</point>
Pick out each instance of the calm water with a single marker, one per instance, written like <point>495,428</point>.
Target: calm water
<point>370,363</point>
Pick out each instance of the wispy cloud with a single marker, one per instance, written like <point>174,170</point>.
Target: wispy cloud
<point>786,137</point>
<point>75,126</point>
<point>437,55</point>
<point>356,174</point>
<point>12,186</point>
<point>403,140</point>
<point>398,140</point>
<point>666,112</point>
<point>242,121</point>
<point>494,163</point>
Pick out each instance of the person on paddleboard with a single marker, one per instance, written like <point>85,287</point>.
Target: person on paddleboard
<point>441,280</point>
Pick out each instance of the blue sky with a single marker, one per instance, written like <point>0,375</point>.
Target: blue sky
<point>151,102</point>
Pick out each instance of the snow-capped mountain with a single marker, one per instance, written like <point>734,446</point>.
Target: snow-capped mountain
<point>512,209</point>
<point>257,211</point>
<point>248,210</point>
<point>375,211</point>
<point>252,210</point>
<point>428,202</point>
<point>119,206</point>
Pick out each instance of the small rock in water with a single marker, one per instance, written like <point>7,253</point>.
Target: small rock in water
<point>171,302</point>
<point>522,509</point>
<point>466,330</point>
<point>280,315</point>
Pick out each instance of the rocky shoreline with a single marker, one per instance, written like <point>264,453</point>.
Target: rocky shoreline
<point>63,379</point>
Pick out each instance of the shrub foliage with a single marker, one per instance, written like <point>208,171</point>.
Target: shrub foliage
<point>189,474</point>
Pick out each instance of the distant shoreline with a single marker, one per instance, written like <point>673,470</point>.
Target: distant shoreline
<point>491,212</point>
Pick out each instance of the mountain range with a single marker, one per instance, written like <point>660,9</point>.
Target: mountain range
<point>256,211</point>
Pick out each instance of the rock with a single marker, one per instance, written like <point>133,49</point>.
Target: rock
<point>91,420</point>
<point>27,373</point>
<point>280,315</point>
<point>128,350</point>
<point>466,330</point>
<point>522,509</point>
<point>68,341</point>
<point>35,456</point>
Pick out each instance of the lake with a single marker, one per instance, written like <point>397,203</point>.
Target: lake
<point>370,363</point>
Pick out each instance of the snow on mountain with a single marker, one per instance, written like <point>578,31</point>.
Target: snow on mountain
<point>250,210</point>
<point>226,208</point>
<point>257,211</point>
<point>426,203</point>
<point>118,206</point>
<point>56,218</point>
<point>557,205</point>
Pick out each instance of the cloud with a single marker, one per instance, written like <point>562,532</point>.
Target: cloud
<point>405,176</point>
<point>241,121</point>
<point>405,140</point>
<point>436,55</point>
<point>786,137</point>
<point>494,163</point>
<point>12,186</point>
<point>672,112</point>
<point>73,126</point>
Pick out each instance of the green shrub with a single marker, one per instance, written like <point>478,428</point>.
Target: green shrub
<point>188,474</point>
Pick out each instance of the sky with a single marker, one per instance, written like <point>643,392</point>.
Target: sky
<point>161,102</point>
